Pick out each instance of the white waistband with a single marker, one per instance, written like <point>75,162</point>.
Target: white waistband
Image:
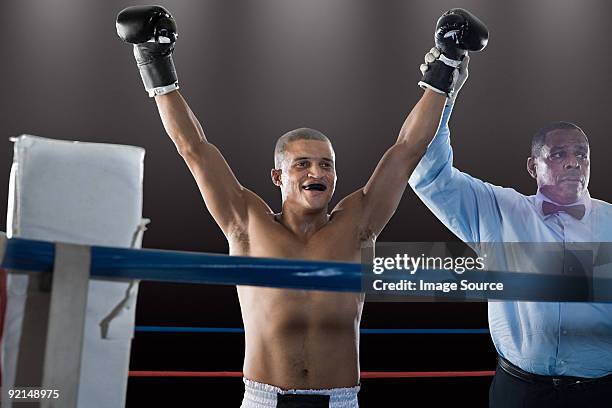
<point>259,395</point>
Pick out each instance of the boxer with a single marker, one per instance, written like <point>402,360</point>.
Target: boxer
<point>302,347</point>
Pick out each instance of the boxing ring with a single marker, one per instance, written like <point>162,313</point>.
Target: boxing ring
<point>71,266</point>
<point>77,255</point>
<point>75,209</point>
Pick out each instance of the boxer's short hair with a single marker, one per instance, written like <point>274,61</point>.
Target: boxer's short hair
<point>292,136</point>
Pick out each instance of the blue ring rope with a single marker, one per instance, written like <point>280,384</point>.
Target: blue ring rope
<point>192,267</point>
<point>202,268</point>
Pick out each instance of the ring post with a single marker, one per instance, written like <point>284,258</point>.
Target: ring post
<point>62,362</point>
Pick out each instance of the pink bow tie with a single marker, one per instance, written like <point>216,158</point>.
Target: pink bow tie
<point>576,211</point>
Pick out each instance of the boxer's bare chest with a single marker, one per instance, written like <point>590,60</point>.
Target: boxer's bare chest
<point>338,240</point>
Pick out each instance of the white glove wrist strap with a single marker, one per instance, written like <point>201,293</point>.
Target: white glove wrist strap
<point>426,85</point>
<point>162,90</point>
<point>448,61</point>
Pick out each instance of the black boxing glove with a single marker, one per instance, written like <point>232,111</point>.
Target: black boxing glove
<point>152,30</point>
<point>457,32</point>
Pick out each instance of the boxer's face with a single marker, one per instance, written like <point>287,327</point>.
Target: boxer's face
<point>308,175</point>
<point>562,169</point>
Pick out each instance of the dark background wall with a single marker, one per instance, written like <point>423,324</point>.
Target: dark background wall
<point>252,70</point>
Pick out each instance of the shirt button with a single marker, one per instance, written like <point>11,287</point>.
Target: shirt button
<point>564,332</point>
<point>561,362</point>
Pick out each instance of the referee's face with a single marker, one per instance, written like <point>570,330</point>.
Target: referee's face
<point>562,169</point>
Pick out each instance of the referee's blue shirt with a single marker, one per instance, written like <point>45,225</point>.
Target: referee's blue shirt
<point>546,338</point>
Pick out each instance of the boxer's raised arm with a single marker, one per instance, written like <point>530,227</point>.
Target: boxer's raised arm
<point>378,200</point>
<point>444,72</point>
<point>152,31</point>
<point>223,195</point>
<point>383,191</point>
